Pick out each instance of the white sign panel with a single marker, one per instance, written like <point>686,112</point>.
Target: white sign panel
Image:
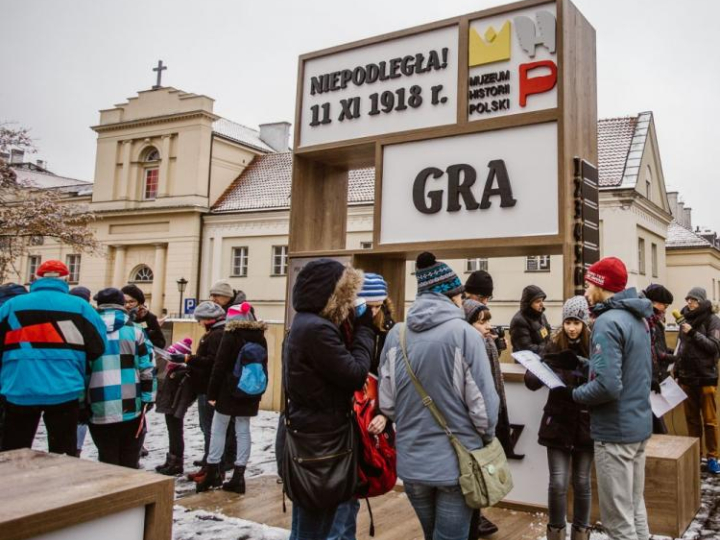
<point>513,65</point>
<point>398,85</point>
<point>497,184</point>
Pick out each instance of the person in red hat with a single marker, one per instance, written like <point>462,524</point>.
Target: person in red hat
<point>47,340</point>
<point>618,394</point>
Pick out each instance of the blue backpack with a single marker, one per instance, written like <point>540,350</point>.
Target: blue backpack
<point>251,371</point>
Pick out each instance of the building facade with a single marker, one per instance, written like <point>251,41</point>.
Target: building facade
<point>180,193</point>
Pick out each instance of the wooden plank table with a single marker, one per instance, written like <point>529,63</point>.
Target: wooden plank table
<point>44,494</point>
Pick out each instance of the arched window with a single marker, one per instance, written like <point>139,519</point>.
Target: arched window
<point>142,274</point>
<point>151,173</point>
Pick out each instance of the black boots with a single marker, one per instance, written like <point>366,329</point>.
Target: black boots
<point>173,466</point>
<point>212,479</point>
<point>237,482</point>
<point>486,527</point>
<point>164,465</point>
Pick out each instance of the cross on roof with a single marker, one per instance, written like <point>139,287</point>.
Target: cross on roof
<point>160,68</point>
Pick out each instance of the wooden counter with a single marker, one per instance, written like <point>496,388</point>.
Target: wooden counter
<point>48,496</point>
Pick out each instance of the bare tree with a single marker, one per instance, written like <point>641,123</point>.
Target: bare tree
<point>27,211</point>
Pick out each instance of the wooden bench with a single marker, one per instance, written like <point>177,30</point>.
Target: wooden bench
<point>52,497</point>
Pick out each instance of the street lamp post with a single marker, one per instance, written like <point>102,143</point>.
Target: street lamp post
<point>181,283</point>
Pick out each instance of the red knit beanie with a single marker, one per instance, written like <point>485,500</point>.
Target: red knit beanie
<point>609,274</point>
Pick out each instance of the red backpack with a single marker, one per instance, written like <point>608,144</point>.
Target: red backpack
<point>377,474</point>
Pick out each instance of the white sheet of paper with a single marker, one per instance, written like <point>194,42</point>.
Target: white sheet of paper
<point>670,396</point>
<point>537,367</point>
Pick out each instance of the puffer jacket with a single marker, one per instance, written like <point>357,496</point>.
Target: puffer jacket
<point>123,379</point>
<point>661,356</point>
<point>201,363</point>
<point>222,381</point>
<point>321,372</point>
<point>47,338</point>
<point>529,329</point>
<point>448,357</point>
<point>565,424</point>
<point>618,391</point>
<point>700,348</point>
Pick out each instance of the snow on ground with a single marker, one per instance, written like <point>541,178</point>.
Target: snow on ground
<point>193,525</point>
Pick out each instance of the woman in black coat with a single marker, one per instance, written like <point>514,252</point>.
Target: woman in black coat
<point>565,425</point>
<point>529,328</point>
<point>241,329</point>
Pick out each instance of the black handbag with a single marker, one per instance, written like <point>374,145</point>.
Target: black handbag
<point>319,470</point>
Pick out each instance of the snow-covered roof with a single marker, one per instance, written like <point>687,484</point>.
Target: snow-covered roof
<point>621,142</point>
<point>680,237</point>
<point>239,133</point>
<point>47,180</point>
<point>265,185</point>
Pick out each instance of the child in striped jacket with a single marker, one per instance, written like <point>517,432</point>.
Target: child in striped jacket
<point>122,384</point>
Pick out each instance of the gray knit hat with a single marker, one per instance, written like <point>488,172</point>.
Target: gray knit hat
<point>698,293</point>
<point>209,310</point>
<point>576,308</point>
<point>472,309</point>
<point>222,288</point>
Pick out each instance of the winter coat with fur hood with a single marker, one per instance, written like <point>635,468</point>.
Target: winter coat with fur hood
<point>321,372</point>
<point>699,348</point>
<point>222,381</point>
<point>529,329</point>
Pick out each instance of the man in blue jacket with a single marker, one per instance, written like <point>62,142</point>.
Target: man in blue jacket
<point>47,338</point>
<point>618,394</point>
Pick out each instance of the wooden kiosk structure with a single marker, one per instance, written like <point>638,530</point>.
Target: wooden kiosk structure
<point>482,130</point>
<point>518,79</point>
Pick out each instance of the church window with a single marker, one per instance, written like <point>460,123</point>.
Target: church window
<point>539,263</point>
<point>142,274</point>
<point>280,260</point>
<point>240,261</point>
<point>471,265</point>
<point>151,174</point>
<point>73,264</point>
<point>33,264</point>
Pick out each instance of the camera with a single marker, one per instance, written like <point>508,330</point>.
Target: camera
<point>500,342</point>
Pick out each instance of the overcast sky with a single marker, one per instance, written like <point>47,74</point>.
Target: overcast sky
<point>64,60</point>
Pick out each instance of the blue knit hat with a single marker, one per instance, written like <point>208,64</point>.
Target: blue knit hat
<point>374,288</point>
<point>436,276</point>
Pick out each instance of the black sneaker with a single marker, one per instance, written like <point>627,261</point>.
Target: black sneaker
<point>486,527</point>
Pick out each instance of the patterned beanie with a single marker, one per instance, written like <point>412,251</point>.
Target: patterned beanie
<point>241,312</point>
<point>374,289</point>
<point>472,309</point>
<point>576,308</point>
<point>435,276</point>
<point>184,346</point>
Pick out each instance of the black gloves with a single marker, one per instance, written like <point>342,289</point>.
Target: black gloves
<point>562,360</point>
<point>655,387</point>
<point>564,392</point>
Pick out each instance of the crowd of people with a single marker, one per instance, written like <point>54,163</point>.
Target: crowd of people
<point>352,375</point>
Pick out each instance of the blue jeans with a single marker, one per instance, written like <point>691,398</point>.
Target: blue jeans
<point>218,436</point>
<point>441,510</point>
<point>311,524</point>
<point>205,417</point>
<point>563,465</point>
<point>345,522</point>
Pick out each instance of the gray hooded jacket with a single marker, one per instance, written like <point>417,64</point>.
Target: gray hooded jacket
<point>448,356</point>
<point>618,392</point>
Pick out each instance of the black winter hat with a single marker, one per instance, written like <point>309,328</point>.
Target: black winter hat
<point>135,292</point>
<point>657,293</point>
<point>480,283</point>
<point>111,295</point>
<point>315,284</point>
<point>81,292</point>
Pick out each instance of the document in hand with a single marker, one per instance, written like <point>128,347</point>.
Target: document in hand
<point>534,364</point>
<point>670,396</point>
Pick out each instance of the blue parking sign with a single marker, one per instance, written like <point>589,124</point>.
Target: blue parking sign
<point>189,307</point>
